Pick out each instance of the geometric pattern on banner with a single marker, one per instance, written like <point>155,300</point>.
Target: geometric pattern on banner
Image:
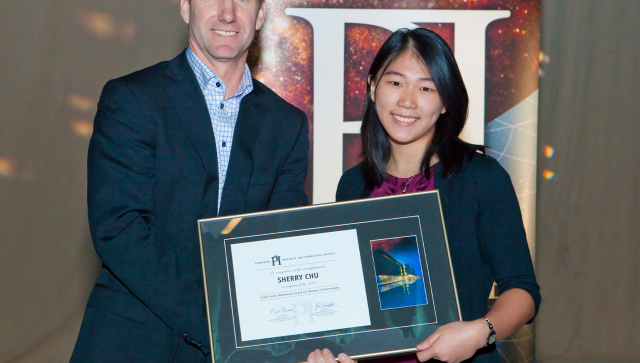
<point>519,347</point>
<point>512,139</point>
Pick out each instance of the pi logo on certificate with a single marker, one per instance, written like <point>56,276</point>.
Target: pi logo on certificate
<point>398,272</point>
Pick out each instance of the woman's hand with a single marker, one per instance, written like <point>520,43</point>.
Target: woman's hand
<point>454,342</point>
<point>325,356</point>
<point>457,341</point>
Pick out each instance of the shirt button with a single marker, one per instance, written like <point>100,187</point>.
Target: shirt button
<point>222,105</point>
<point>217,84</point>
<point>224,144</point>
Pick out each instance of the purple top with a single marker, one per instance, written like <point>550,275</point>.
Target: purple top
<point>394,185</point>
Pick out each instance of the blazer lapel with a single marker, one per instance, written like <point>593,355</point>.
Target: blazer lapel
<point>440,184</point>
<point>366,190</point>
<point>189,103</point>
<point>250,120</point>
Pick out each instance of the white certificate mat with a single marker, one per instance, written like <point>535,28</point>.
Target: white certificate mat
<point>299,285</point>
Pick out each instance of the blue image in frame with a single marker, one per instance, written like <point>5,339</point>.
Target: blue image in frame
<point>398,272</point>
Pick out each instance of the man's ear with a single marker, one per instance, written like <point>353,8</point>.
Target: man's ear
<point>185,8</point>
<point>262,14</point>
<point>372,88</point>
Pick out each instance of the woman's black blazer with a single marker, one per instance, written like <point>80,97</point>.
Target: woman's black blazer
<point>484,226</point>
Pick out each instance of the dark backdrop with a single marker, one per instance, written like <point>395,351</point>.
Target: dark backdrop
<point>55,56</point>
<point>588,232</point>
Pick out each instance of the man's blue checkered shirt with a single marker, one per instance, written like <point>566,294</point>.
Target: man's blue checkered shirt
<point>223,113</point>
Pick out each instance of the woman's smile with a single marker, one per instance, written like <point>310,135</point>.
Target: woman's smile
<point>404,120</point>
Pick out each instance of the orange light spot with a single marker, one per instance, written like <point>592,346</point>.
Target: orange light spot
<point>7,167</point>
<point>548,174</point>
<point>82,103</point>
<point>548,151</point>
<point>128,31</point>
<point>82,128</point>
<point>99,24</point>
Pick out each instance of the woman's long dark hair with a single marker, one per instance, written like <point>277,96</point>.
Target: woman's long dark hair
<point>446,144</point>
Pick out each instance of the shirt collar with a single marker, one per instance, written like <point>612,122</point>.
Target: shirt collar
<point>205,75</point>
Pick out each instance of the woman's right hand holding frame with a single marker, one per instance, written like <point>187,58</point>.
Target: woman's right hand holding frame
<point>325,356</point>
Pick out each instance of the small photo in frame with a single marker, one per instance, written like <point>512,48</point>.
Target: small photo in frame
<point>398,272</point>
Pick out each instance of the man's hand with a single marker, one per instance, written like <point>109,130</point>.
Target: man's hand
<point>325,356</point>
<point>454,342</point>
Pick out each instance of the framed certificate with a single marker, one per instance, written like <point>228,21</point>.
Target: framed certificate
<point>370,277</point>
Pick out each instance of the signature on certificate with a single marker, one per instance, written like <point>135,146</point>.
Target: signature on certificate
<point>304,312</point>
<point>324,304</point>
<point>281,310</point>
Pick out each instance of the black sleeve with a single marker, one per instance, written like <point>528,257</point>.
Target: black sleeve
<point>501,232</point>
<point>288,190</point>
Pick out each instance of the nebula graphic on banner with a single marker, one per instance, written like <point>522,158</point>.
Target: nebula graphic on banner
<point>283,50</point>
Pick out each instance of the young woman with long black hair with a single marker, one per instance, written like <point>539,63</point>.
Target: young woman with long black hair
<point>415,109</point>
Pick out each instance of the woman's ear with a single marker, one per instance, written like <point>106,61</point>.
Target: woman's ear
<point>444,110</point>
<point>372,89</point>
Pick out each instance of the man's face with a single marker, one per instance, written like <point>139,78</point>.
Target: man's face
<point>223,29</point>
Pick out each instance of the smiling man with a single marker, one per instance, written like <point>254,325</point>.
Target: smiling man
<point>191,138</point>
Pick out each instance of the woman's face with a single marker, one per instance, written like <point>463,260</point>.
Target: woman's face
<point>407,101</point>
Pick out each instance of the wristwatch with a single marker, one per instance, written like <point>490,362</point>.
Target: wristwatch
<point>491,338</point>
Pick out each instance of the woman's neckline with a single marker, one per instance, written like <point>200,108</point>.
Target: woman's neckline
<point>409,177</point>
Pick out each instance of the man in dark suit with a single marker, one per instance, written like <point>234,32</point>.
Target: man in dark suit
<point>190,138</point>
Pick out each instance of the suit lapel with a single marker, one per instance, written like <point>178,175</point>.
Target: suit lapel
<point>189,103</point>
<point>250,120</point>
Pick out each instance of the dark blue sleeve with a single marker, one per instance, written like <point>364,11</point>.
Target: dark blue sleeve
<point>120,199</point>
<point>501,232</point>
<point>288,190</point>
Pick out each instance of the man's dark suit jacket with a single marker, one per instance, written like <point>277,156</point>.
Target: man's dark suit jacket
<point>485,232</point>
<point>152,173</point>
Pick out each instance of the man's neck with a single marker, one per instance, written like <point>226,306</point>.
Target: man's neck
<point>229,71</point>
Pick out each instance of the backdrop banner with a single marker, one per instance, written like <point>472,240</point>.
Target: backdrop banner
<point>316,54</point>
